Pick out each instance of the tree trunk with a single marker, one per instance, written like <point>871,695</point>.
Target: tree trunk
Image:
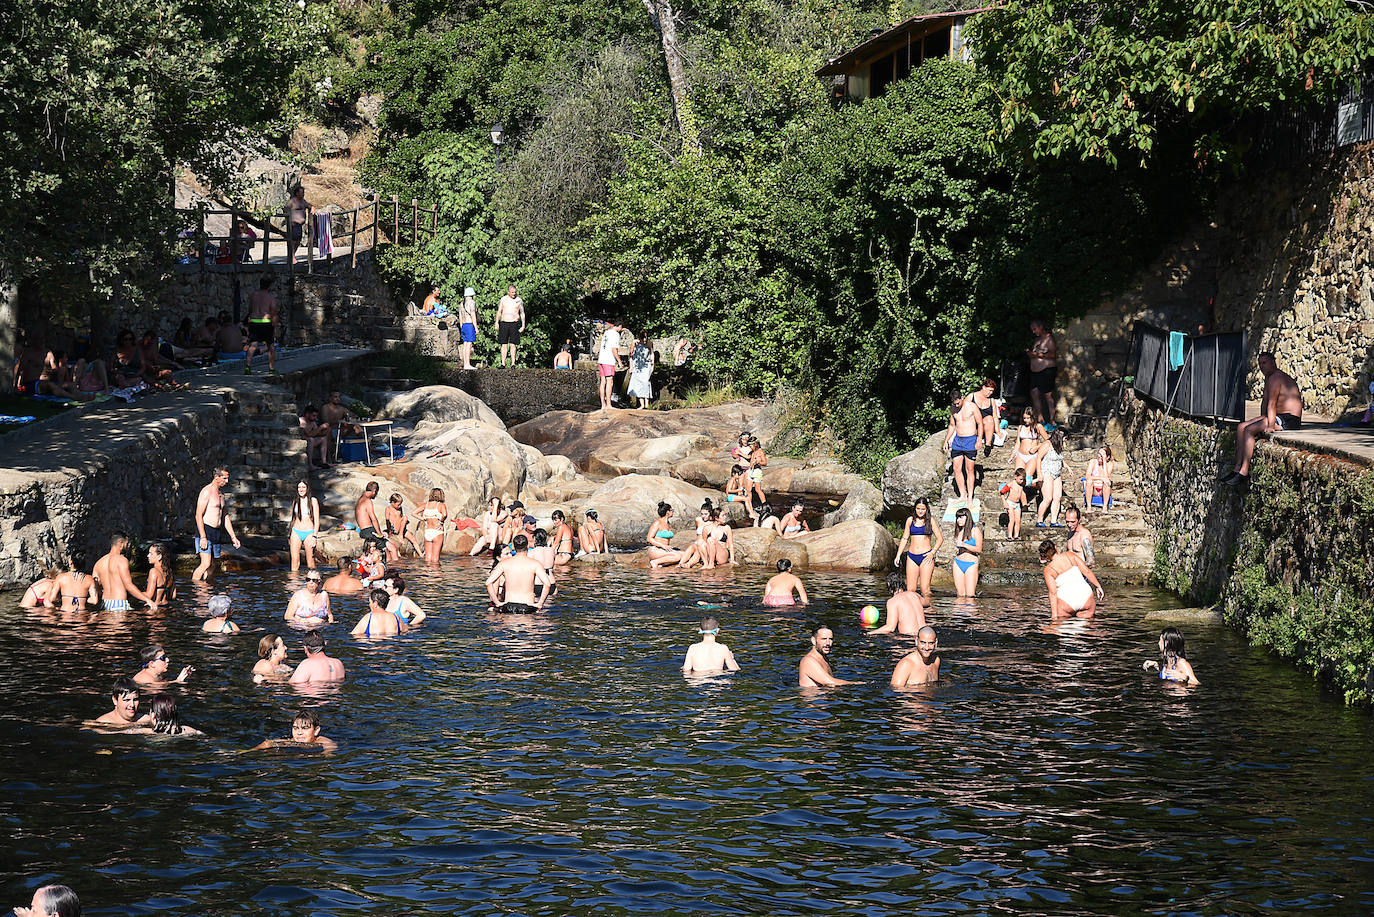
<point>661,15</point>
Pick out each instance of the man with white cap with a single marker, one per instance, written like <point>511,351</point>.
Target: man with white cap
<point>467,317</point>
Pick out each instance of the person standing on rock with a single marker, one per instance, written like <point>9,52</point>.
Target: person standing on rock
<point>297,215</point>
<point>562,539</point>
<point>510,586</point>
<point>116,583</point>
<point>365,513</point>
<point>987,413</point>
<point>433,515</point>
<point>262,325</point>
<point>335,415</point>
<point>814,670</point>
<point>1280,409</point>
<point>1080,540</point>
<point>212,525</point>
<point>1044,367</point>
<point>467,322</point>
<point>708,657</point>
<point>608,363</point>
<point>962,442</point>
<point>510,323</point>
<point>641,386</point>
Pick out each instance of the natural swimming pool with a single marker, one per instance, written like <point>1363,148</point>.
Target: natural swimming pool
<point>565,766</point>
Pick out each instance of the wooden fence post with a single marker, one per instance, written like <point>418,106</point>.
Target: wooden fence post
<point>414,222</point>
<point>353,238</point>
<point>396,220</point>
<point>376,218</point>
<point>308,237</point>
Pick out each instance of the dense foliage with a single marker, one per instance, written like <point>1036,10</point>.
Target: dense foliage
<point>101,101</point>
<point>1104,79</point>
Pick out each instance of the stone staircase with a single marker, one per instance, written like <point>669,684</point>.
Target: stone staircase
<point>266,457</point>
<point>384,379</point>
<point>1122,539</point>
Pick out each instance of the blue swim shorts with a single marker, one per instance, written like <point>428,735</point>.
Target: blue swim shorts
<point>469,333</point>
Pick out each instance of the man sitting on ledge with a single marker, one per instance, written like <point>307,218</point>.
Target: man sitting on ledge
<point>1280,409</point>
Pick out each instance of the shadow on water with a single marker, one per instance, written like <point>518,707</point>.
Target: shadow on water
<point>561,764</point>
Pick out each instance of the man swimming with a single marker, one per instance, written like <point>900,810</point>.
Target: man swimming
<point>814,669</point>
<point>124,697</point>
<point>906,610</point>
<point>921,666</point>
<point>707,657</point>
<point>305,731</point>
<point>116,583</point>
<point>317,667</point>
<point>511,583</point>
<point>154,669</point>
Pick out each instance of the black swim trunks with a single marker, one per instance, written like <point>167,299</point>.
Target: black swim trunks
<point>508,333</point>
<point>297,230</point>
<point>517,608</point>
<point>368,534</point>
<point>1043,379</point>
<point>261,332</point>
<point>1289,421</point>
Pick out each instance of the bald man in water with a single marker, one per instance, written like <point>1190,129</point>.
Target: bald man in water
<point>707,657</point>
<point>814,670</point>
<point>921,666</point>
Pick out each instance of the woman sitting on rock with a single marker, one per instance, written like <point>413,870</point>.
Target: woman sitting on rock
<point>720,541</point>
<point>767,519</point>
<point>738,487</point>
<point>699,550</point>
<point>793,525</point>
<point>1097,484</point>
<point>660,538</point>
<point>489,526</point>
<point>592,536</point>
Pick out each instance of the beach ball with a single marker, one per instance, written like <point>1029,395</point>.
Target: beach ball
<point>868,615</point>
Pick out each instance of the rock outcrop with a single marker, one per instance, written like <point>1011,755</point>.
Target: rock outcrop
<point>857,545</point>
<point>628,505</point>
<point>918,473</point>
<point>438,404</point>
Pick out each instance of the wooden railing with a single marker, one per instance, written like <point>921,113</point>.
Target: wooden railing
<point>366,224</point>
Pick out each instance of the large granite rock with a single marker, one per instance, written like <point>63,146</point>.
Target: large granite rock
<point>624,441</point>
<point>918,473</point>
<point>751,545</point>
<point>466,484</point>
<point>627,505</point>
<point>857,545</point>
<point>438,404</point>
<point>473,442</point>
<point>790,548</point>
<point>864,501</point>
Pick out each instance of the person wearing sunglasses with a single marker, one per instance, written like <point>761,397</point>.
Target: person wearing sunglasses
<point>154,671</point>
<point>309,607</point>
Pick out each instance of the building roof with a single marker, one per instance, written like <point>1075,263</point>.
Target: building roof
<point>890,40</point>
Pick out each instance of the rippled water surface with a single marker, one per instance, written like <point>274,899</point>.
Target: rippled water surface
<point>564,765</point>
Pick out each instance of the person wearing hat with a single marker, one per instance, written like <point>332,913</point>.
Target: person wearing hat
<point>467,317</point>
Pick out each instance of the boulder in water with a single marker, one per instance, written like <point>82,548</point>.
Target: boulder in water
<point>628,505</point>
<point>856,545</point>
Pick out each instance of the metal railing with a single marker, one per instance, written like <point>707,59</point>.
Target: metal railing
<point>1208,380</point>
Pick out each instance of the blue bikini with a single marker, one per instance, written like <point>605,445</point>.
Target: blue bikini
<point>918,559</point>
<point>966,565</point>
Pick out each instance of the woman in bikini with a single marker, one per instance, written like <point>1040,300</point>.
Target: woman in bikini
<point>920,540</point>
<point>562,540</point>
<point>433,515</point>
<point>489,526</point>
<point>793,525</point>
<point>969,540</point>
<point>737,490</point>
<point>1098,483</point>
<point>779,589</point>
<point>1173,662</point>
<point>42,593</point>
<point>592,535</point>
<point>162,584</point>
<point>660,538</point>
<point>1028,438</point>
<point>720,540</point>
<point>700,550</point>
<point>309,607</point>
<point>758,460</point>
<point>75,590</point>
<point>397,528</point>
<point>987,412</point>
<point>305,524</point>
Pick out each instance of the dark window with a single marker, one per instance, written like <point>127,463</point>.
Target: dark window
<point>880,74</point>
<point>937,44</point>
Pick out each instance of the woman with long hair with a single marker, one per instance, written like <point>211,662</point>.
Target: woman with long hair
<point>921,538</point>
<point>166,719</point>
<point>1173,662</point>
<point>305,525</point>
<point>660,538</point>
<point>969,540</point>
<point>162,584</point>
<point>489,526</point>
<point>433,515</point>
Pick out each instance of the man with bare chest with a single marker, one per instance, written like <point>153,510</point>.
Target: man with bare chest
<point>116,583</point>
<point>962,442</point>
<point>212,525</point>
<point>262,325</point>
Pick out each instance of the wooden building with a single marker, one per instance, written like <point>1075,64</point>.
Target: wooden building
<point>866,70</point>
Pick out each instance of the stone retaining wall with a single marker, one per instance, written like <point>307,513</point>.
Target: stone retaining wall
<point>1290,562</point>
<point>518,395</point>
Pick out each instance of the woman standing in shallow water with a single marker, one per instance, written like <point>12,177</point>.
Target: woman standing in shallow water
<point>162,584</point>
<point>921,538</point>
<point>305,523</point>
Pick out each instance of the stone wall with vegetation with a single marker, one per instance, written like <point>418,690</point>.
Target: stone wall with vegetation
<point>1290,563</point>
<point>519,394</point>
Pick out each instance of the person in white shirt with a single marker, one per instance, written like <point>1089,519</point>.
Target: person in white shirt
<point>608,362</point>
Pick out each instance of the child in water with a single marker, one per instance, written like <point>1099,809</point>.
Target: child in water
<point>1173,663</point>
<point>305,732</point>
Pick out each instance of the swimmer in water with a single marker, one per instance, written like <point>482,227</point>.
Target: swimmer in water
<point>814,670</point>
<point>271,664</point>
<point>218,622</point>
<point>343,582</point>
<point>378,622</point>
<point>906,610</point>
<point>166,720</point>
<point>154,670</point>
<point>708,657</point>
<point>779,590</point>
<point>921,666</point>
<point>52,901</point>
<point>318,667</point>
<point>510,585</point>
<point>124,697</point>
<point>76,590</point>
<point>400,604</point>
<point>1173,663</point>
<point>42,593</point>
<point>309,606</point>
<point>305,733</point>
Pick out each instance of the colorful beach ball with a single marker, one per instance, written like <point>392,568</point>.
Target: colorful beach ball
<point>868,615</point>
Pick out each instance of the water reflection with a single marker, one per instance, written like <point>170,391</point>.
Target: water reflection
<point>493,764</point>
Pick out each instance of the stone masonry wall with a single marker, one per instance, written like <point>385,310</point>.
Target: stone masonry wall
<point>1290,562</point>
<point>518,394</point>
<point>1285,256</point>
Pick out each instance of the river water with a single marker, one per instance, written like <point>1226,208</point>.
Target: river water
<point>564,765</point>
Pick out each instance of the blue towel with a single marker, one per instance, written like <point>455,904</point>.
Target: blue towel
<point>11,418</point>
<point>1176,339</point>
